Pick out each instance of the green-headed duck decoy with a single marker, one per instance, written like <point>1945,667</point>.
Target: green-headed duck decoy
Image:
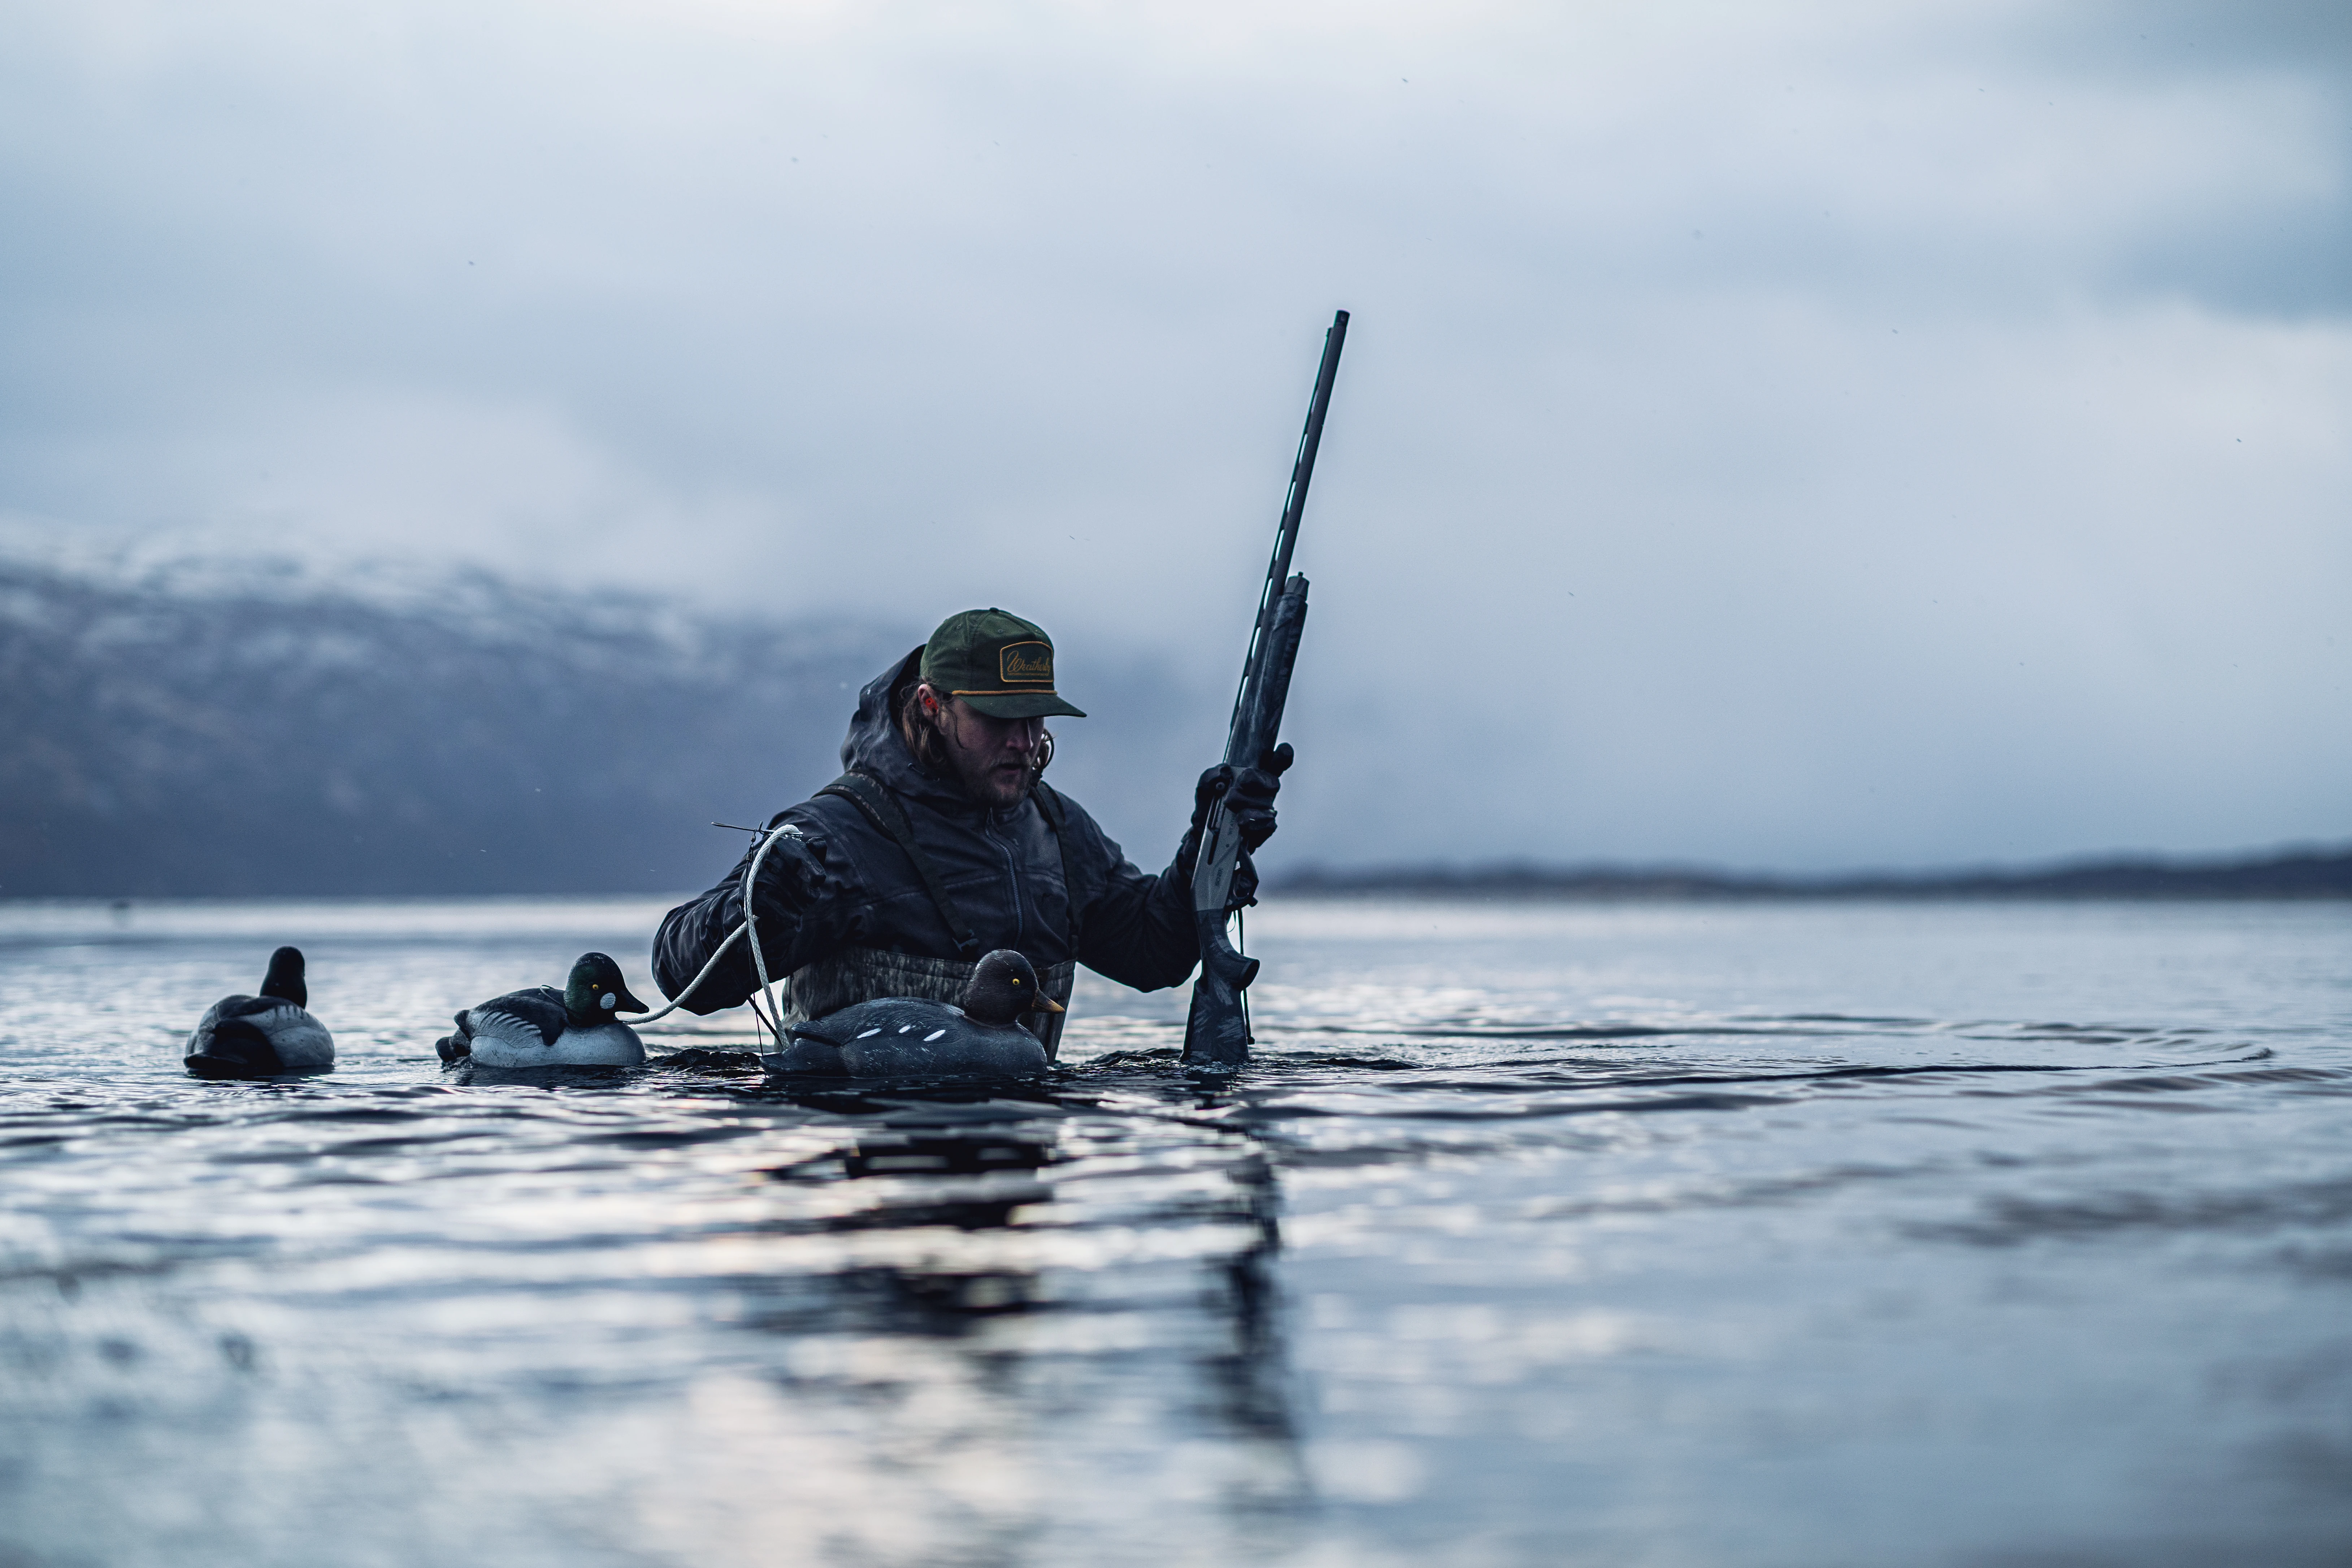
<point>544,1027</point>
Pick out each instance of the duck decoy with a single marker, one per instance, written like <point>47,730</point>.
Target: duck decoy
<point>907,1036</point>
<point>261,1036</point>
<point>543,1027</point>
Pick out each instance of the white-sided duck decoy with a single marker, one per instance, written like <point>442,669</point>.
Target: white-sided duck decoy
<point>261,1036</point>
<point>906,1036</point>
<point>544,1027</point>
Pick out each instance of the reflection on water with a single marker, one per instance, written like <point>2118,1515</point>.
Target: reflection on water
<point>1542,1234</point>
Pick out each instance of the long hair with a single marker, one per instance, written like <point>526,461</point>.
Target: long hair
<point>930,746</point>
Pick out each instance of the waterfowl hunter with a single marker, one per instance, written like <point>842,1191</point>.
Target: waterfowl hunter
<point>942,842</point>
<point>261,1036</point>
<point>544,1027</point>
<point>911,1036</point>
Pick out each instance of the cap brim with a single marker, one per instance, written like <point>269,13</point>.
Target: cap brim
<point>1021,705</point>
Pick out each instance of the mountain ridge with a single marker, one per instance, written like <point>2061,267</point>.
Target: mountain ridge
<point>272,738</point>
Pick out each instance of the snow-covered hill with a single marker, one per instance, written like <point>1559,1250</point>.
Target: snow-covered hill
<point>241,734</point>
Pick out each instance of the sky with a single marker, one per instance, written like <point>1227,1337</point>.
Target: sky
<point>1790,435</point>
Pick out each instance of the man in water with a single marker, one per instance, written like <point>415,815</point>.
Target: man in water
<point>941,841</point>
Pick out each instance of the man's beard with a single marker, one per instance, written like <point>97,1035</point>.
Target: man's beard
<point>985,784</point>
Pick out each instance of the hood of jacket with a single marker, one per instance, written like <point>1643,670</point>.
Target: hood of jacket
<point>875,746</point>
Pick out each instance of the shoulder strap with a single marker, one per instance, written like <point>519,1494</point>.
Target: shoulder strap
<point>1055,811</point>
<point>872,796</point>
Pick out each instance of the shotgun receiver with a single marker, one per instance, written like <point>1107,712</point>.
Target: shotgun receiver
<point>1217,1033</point>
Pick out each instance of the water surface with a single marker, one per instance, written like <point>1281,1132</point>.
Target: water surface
<point>1646,1234</point>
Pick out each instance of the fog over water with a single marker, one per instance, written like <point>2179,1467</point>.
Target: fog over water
<point>1798,435</point>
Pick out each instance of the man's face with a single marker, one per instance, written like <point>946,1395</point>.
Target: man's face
<point>995,758</point>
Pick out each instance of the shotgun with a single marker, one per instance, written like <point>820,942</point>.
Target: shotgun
<point>1216,1032</point>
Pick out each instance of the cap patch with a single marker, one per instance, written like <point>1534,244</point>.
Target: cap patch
<point>1026,663</point>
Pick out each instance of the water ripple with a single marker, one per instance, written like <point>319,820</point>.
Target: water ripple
<point>1568,1234</point>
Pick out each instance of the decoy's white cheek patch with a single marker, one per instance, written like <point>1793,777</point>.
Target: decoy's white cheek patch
<point>610,1001</point>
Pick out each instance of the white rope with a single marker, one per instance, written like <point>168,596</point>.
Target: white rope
<point>759,958</point>
<point>733,938</point>
<point>772,1020</point>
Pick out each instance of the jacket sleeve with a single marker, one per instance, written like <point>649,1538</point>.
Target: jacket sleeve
<point>804,904</point>
<point>1134,927</point>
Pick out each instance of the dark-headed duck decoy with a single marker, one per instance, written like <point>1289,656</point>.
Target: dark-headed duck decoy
<point>261,1036</point>
<point>906,1036</point>
<point>544,1027</point>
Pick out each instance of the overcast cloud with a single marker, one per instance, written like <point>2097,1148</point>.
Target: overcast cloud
<point>1787,434</point>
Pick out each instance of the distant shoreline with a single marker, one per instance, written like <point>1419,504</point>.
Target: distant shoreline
<point>2302,876</point>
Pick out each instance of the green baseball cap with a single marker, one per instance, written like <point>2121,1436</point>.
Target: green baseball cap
<point>1001,664</point>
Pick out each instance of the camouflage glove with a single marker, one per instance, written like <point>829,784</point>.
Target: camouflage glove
<point>1249,798</point>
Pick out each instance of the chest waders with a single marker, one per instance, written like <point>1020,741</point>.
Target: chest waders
<point>849,975</point>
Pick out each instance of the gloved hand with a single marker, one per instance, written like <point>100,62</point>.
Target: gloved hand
<point>797,881</point>
<point>1249,799</point>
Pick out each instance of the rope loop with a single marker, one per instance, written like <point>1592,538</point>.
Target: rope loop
<point>750,927</point>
